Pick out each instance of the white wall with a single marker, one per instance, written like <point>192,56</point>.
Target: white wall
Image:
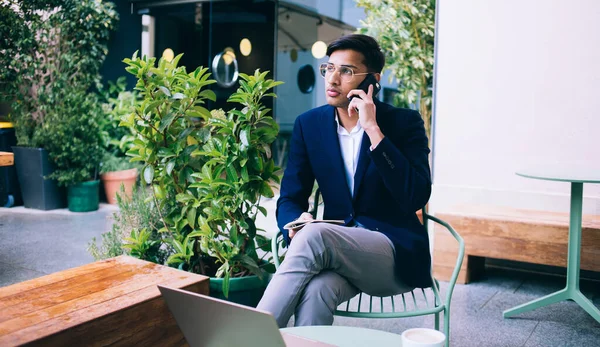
<point>518,83</point>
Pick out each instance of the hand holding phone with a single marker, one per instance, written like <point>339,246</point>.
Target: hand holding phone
<point>365,109</point>
<point>364,86</point>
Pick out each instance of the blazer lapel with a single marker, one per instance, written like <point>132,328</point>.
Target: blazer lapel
<point>364,158</point>
<point>331,145</point>
<point>363,163</point>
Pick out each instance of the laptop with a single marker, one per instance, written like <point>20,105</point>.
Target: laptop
<point>210,322</point>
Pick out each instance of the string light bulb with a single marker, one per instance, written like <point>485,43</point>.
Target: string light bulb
<point>319,49</point>
<point>245,47</point>
<point>229,55</point>
<point>168,55</point>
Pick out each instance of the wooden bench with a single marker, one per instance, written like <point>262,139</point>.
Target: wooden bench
<point>7,159</point>
<point>522,235</point>
<point>108,303</point>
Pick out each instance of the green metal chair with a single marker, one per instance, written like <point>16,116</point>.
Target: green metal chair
<point>421,301</point>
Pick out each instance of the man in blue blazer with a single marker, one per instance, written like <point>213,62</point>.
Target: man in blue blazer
<point>370,161</point>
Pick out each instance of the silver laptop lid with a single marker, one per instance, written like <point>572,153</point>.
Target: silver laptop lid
<point>210,322</point>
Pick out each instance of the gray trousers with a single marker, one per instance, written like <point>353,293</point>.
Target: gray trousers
<point>325,266</point>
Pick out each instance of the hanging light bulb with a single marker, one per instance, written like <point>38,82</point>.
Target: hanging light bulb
<point>294,55</point>
<point>168,55</point>
<point>229,55</point>
<point>319,49</point>
<point>245,47</point>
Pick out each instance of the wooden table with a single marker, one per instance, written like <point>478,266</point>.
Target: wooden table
<point>110,303</point>
<point>7,159</point>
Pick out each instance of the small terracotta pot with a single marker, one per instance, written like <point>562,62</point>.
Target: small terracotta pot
<point>113,180</point>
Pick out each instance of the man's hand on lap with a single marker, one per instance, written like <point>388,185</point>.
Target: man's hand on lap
<point>303,216</point>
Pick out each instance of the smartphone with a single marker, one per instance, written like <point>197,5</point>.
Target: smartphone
<point>364,86</point>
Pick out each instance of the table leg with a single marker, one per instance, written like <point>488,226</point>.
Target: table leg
<point>587,305</point>
<point>571,291</point>
<point>574,238</point>
<point>537,303</point>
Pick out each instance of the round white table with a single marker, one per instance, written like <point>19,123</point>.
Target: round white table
<point>346,336</point>
<point>576,175</point>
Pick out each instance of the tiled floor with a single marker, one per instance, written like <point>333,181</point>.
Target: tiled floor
<point>35,243</point>
<point>476,313</point>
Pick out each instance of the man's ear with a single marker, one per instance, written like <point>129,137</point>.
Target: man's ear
<point>377,76</point>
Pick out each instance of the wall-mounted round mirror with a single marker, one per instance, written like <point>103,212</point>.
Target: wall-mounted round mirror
<point>225,69</point>
<point>306,79</point>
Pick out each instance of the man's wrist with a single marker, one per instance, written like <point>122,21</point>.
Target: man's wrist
<point>375,135</point>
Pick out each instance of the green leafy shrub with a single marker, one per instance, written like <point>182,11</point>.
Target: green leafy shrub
<point>405,31</point>
<point>54,52</point>
<point>111,163</point>
<point>134,216</point>
<point>57,50</point>
<point>116,103</point>
<point>61,46</point>
<point>71,135</point>
<point>214,166</point>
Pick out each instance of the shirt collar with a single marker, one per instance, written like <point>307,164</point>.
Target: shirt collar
<point>342,131</point>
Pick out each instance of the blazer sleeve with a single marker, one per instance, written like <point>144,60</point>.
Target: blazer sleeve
<point>404,165</point>
<point>297,183</point>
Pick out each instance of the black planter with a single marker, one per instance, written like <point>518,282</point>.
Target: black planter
<point>38,192</point>
<point>10,192</point>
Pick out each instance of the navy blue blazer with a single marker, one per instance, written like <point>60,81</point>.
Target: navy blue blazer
<point>391,183</point>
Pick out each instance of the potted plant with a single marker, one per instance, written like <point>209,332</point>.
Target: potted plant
<point>71,136</point>
<point>208,171</point>
<point>56,58</point>
<point>116,168</point>
<point>117,172</point>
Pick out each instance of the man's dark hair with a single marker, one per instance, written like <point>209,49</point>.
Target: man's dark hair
<point>374,59</point>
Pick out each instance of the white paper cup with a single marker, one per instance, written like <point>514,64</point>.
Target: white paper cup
<point>423,337</point>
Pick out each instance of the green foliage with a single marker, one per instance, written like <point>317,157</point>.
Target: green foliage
<point>20,20</point>
<point>56,49</point>
<point>111,245</point>
<point>51,56</point>
<point>134,231</point>
<point>214,166</point>
<point>16,39</point>
<point>405,32</point>
<point>116,103</point>
<point>112,163</point>
<point>71,135</point>
<point>140,243</point>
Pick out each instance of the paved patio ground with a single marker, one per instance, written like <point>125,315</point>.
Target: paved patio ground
<point>36,243</point>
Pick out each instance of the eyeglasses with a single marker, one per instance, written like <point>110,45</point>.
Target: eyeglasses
<point>346,73</point>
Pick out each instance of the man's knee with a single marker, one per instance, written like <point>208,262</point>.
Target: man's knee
<point>314,233</point>
<point>326,287</point>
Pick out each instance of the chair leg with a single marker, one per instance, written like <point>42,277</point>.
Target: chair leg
<point>447,325</point>
<point>437,321</point>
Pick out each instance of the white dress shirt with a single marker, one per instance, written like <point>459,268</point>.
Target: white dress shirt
<point>350,143</point>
